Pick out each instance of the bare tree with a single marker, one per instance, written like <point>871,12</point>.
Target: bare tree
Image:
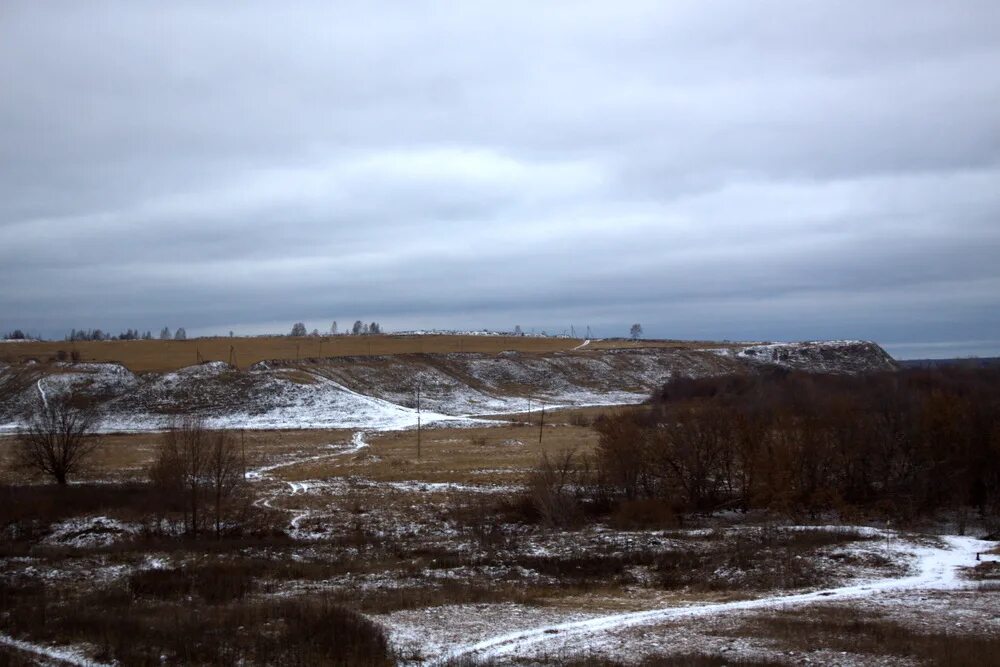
<point>635,333</point>
<point>58,439</point>
<point>165,333</point>
<point>180,334</point>
<point>333,328</point>
<point>194,467</point>
<point>224,473</point>
<point>298,329</point>
<point>181,464</point>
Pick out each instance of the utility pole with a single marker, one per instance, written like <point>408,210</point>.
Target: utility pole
<point>418,421</point>
<point>541,423</point>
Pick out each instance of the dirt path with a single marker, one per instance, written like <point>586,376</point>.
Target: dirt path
<point>937,568</point>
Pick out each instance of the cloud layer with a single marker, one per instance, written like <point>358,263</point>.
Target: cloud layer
<point>775,170</point>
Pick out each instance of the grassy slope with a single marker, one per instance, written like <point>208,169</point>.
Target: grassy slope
<point>160,356</point>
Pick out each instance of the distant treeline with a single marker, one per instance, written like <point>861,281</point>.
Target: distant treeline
<point>902,444</point>
<point>969,362</point>
<point>128,334</point>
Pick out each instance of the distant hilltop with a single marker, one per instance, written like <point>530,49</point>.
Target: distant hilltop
<point>378,391</point>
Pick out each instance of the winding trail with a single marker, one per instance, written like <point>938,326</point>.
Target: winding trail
<point>937,568</point>
<point>295,488</point>
<point>66,655</point>
<point>41,392</point>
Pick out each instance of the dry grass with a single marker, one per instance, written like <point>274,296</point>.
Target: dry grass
<point>127,456</point>
<point>625,344</point>
<point>487,455</point>
<point>160,356</point>
<point>142,356</point>
<point>849,630</point>
<point>500,454</point>
<point>191,632</point>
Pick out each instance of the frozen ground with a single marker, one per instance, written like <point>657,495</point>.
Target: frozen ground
<point>627,618</point>
<point>433,635</point>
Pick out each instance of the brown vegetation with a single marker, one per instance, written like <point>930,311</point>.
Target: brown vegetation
<point>846,630</point>
<point>196,467</point>
<point>902,445</point>
<point>196,631</point>
<point>168,355</point>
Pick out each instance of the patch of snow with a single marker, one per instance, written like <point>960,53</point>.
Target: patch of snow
<point>61,654</point>
<point>89,532</point>
<point>936,568</point>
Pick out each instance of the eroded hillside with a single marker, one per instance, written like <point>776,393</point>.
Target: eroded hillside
<point>380,392</point>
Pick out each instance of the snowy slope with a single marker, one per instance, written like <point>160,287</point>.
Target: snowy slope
<point>381,392</point>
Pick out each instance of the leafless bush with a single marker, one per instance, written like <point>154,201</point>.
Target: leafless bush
<point>553,486</point>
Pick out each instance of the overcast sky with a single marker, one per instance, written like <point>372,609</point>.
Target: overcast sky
<point>724,170</point>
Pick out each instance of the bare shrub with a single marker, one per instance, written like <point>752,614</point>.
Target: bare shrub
<point>58,439</point>
<point>552,489</point>
<point>216,583</point>
<point>644,513</point>
<point>764,558</point>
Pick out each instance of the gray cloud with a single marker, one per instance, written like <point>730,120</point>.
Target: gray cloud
<point>712,169</point>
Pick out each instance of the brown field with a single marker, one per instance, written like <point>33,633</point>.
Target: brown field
<point>142,356</point>
<point>500,454</point>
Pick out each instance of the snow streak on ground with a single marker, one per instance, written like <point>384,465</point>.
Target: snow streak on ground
<point>41,392</point>
<point>59,655</point>
<point>295,488</point>
<point>936,568</point>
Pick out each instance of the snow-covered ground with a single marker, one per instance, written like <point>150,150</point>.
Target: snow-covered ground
<point>540,632</point>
